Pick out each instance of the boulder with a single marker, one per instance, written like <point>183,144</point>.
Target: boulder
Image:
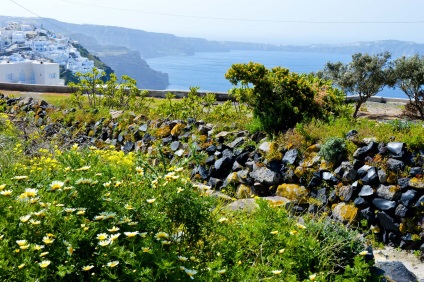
<point>266,176</point>
<point>345,213</point>
<point>391,193</point>
<point>394,271</point>
<point>293,192</point>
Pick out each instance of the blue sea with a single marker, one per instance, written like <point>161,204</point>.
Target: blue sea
<point>207,69</point>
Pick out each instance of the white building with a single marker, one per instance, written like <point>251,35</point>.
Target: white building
<point>13,25</point>
<point>31,72</point>
<point>18,37</point>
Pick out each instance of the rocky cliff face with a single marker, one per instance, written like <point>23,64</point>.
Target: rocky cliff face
<point>131,64</point>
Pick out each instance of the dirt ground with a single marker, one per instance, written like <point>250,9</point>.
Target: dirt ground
<point>382,111</point>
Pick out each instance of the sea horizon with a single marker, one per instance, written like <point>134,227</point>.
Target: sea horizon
<point>206,70</point>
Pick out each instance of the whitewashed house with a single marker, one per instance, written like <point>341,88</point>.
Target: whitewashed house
<point>13,25</point>
<point>30,72</point>
<point>18,37</point>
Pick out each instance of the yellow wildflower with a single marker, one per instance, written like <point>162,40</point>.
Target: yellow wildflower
<point>113,263</point>
<point>102,236</point>
<point>181,258</point>
<point>145,249</point>
<point>131,234</point>
<point>37,247</point>
<point>275,232</point>
<point>24,247</point>
<point>6,192</point>
<point>21,242</point>
<point>25,218</point>
<point>44,263</point>
<point>104,243</point>
<point>87,268</point>
<point>276,272</point>
<point>150,201</point>
<point>161,235</point>
<point>2,187</point>
<point>190,272</point>
<point>114,237</point>
<point>56,185</point>
<point>44,254</point>
<point>21,266</point>
<point>113,229</point>
<point>47,240</point>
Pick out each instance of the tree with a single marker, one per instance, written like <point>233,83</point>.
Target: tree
<point>365,76</point>
<point>279,98</point>
<point>409,77</point>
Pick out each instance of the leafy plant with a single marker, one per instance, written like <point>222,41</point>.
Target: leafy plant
<point>334,150</point>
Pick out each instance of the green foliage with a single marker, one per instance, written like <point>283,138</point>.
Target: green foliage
<point>334,150</point>
<point>86,213</point>
<point>89,86</point>
<point>408,75</point>
<point>365,76</point>
<point>279,98</point>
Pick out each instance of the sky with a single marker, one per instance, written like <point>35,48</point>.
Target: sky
<point>279,22</point>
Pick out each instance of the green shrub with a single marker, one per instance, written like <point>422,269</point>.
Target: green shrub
<point>334,150</point>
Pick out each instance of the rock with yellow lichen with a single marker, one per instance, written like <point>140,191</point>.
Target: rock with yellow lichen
<point>293,192</point>
<point>346,213</point>
<point>177,129</point>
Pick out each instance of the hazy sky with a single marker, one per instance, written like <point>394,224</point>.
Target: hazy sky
<point>263,21</point>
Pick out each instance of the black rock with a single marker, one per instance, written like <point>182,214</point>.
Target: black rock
<point>366,191</point>
<point>210,160</point>
<point>383,204</point>
<point>395,165</point>
<point>243,177</point>
<point>215,183</point>
<point>369,215</point>
<point>395,149</point>
<point>143,127</point>
<point>345,193</point>
<point>368,150</point>
<point>242,158</point>
<point>128,146</point>
<point>368,174</point>
<point>237,142</point>
<point>211,149</point>
<point>351,133</point>
<point>390,193</point>
<point>274,165</point>
<point>320,195</point>
<point>414,171</point>
<point>236,166</point>
<point>315,180</point>
<point>223,166</point>
<point>290,156</point>
<point>394,271</point>
<point>265,176</point>
<point>191,121</point>
<point>329,178</point>
<point>175,145</point>
<point>346,172</point>
<point>407,197</point>
<point>289,176</point>
<point>166,140</point>
<point>387,222</point>
<point>403,183</point>
<point>401,211</point>
<point>420,204</point>
<point>332,197</point>
<point>360,202</point>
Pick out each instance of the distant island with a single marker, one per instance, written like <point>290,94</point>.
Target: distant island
<point>125,49</point>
